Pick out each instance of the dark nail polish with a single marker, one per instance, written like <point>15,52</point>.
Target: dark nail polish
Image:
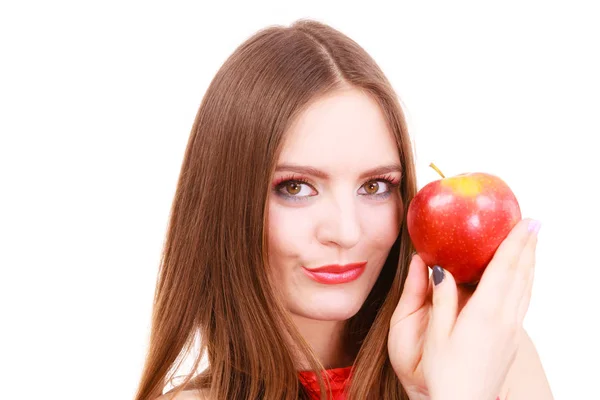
<point>438,274</point>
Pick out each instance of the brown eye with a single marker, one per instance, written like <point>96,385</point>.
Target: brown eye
<point>293,187</point>
<point>372,187</point>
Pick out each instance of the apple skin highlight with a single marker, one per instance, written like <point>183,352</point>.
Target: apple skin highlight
<point>459,222</point>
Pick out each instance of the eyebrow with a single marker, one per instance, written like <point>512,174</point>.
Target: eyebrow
<point>301,169</point>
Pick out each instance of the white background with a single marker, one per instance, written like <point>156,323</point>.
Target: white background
<point>97,102</point>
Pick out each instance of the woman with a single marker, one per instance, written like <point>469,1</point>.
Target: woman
<point>288,253</point>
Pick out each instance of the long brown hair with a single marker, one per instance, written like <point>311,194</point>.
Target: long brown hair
<point>213,279</point>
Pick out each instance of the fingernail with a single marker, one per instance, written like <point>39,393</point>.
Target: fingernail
<point>438,274</point>
<point>534,226</point>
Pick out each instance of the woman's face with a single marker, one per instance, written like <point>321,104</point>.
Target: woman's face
<point>334,200</point>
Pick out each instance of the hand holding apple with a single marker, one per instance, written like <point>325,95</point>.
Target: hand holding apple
<point>459,222</point>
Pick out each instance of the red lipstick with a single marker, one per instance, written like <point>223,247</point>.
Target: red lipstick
<point>335,273</point>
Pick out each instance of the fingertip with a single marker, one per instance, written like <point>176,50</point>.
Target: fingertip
<point>417,270</point>
<point>438,275</point>
<point>530,225</point>
<point>416,258</point>
<point>534,226</point>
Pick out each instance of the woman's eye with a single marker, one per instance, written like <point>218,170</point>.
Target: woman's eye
<point>372,188</point>
<point>297,189</point>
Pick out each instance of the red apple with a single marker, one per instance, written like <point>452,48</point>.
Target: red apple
<point>459,222</point>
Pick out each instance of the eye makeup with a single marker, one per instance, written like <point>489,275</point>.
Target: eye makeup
<point>280,184</point>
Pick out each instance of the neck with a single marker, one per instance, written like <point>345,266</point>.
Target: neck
<point>325,339</point>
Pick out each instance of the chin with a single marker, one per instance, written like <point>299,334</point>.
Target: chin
<point>330,307</point>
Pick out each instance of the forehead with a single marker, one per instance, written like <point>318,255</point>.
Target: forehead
<point>345,129</point>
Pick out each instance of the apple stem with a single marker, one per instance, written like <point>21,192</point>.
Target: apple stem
<point>432,165</point>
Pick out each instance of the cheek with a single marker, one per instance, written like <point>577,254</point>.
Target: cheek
<point>381,225</point>
<point>288,230</point>
<point>379,236</point>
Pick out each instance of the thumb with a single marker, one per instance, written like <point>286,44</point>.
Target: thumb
<point>445,305</point>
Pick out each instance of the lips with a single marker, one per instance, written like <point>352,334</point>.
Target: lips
<point>335,273</point>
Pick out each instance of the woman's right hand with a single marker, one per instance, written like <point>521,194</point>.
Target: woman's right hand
<point>441,351</point>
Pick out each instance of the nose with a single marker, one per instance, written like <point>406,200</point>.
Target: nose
<point>340,224</point>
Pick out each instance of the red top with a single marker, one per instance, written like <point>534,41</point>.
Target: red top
<point>339,378</point>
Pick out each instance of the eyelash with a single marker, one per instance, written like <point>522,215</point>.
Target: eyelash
<point>389,180</point>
